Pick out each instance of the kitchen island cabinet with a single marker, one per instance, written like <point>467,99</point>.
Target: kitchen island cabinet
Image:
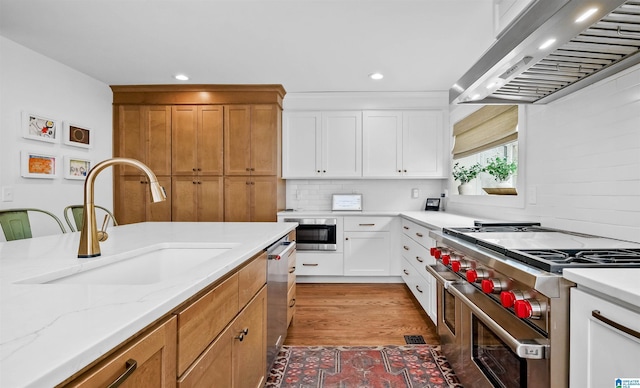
<point>84,324</point>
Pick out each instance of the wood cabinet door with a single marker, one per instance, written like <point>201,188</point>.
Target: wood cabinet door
<point>197,198</point>
<point>264,193</point>
<point>237,199</point>
<point>249,354</point>
<point>422,147</point>
<point>301,139</point>
<point>157,211</point>
<point>342,144</point>
<point>264,139</point>
<point>237,140</point>
<point>210,140</point>
<point>215,367</point>
<point>382,144</point>
<point>144,133</point>
<point>184,128</point>
<point>154,355</point>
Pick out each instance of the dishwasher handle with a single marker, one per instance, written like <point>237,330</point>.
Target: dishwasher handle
<point>283,250</point>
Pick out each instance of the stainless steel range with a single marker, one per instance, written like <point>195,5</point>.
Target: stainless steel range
<point>503,305</point>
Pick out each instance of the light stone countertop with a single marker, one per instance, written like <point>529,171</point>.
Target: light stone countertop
<point>48,332</point>
<point>621,286</point>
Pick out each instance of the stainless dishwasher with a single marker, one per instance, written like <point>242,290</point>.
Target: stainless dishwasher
<point>277,275</point>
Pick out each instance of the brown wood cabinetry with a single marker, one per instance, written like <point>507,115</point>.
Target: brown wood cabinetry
<point>146,362</point>
<point>133,200</point>
<point>192,136</point>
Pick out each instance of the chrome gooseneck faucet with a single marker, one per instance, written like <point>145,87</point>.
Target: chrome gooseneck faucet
<point>89,241</point>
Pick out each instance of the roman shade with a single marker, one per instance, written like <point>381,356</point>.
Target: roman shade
<point>486,128</point>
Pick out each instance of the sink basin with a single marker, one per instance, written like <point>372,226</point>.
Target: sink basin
<point>150,265</point>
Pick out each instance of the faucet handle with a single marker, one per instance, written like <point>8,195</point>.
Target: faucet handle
<point>102,233</point>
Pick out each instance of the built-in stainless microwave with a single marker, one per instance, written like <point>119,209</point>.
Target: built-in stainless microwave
<point>315,234</point>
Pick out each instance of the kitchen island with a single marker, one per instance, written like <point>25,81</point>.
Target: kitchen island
<point>48,332</point>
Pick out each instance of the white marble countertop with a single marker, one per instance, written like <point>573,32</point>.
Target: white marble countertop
<point>621,286</point>
<point>48,332</point>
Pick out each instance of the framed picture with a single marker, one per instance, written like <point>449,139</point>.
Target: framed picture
<point>38,127</point>
<point>76,168</point>
<point>38,165</point>
<point>77,135</point>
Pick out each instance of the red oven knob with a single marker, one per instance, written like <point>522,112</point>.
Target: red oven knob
<point>437,253</point>
<point>508,298</point>
<point>432,251</point>
<point>473,275</point>
<point>446,259</point>
<point>527,308</point>
<point>459,265</point>
<point>491,286</point>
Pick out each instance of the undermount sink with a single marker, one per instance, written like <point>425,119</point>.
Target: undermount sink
<point>149,265</point>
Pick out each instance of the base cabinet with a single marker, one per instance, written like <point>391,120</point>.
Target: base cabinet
<point>133,200</point>
<point>604,342</point>
<point>147,362</point>
<point>415,252</point>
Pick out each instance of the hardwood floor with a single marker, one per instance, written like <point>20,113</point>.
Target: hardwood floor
<point>357,314</point>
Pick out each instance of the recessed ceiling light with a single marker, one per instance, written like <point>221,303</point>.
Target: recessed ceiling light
<point>547,44</point>
<point>376,76</point>
<point>181,77</point>
<point>586,15</point>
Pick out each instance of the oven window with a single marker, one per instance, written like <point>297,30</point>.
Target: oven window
<point>449,310</point>
<point>496,360</point>
<point>316,234</point>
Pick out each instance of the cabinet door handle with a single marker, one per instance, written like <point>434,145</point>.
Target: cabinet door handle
<point>367,224</point>
<point>131,366</point>
<point>292,302</point>
<point>418,288</point>
<point>292,269</point>
<point>347,238</point>
<point>406,227</point>
<point>405,272</point>
<point>596,314</point>
<point>406,248</point>
<point>419,259</point>
<point>309,265</point>
<point>419,234</point>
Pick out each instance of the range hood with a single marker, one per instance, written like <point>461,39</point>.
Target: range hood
<point>516,70</point>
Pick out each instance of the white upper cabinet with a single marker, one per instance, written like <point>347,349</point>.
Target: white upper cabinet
<point>322,144</point>
<point>402,144</point>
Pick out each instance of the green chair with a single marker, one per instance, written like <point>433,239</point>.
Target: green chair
<point>15,223</point>
<point>76,212</point>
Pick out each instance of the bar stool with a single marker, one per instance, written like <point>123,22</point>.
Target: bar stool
<point>15,223</point>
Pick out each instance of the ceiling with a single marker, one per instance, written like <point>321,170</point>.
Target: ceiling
<point>305,45</point>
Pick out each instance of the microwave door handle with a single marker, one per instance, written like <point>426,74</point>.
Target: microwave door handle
<point>529,349</point>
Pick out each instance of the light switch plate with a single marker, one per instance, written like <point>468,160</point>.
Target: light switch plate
<point>7,194</point>
<point>415,193</point>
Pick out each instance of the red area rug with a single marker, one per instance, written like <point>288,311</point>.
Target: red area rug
<point>404,366</point>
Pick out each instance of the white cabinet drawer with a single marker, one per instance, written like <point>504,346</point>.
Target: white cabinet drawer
<point>419,286</point>
<point>417,232</point>
<point>367,224</point>
<point>418,255</point>
<point>319,264</point>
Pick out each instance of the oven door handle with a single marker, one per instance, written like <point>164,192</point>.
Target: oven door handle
<point>529,349</point>
<point>434,272</point>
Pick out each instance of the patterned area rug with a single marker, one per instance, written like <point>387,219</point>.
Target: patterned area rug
<point>404,366</point>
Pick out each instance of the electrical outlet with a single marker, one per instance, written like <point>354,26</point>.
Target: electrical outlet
<point>415,193</point>
<point>7,194</point>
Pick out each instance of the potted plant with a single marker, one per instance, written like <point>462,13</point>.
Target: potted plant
<point>465,175</point>
<point>500,169</point>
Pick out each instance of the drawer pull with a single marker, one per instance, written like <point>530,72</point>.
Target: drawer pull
<point>367,224</point>
<point>406,248</point>
<point>418,288</point>
<point>292,302</point>
<point>131,366</point>
<point>419,259</point>
<point>405,272</point>
<point>596,314</point>
<point>419,234</point>
<point>309,265</point>
<point>240,336</point>
<point>406,227</point>
<point>292,269</point>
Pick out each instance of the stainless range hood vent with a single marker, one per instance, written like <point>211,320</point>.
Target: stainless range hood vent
<point>516,70</point>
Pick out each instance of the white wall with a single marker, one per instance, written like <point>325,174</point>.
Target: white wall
<point>582,162</point>
<point>34,83</point>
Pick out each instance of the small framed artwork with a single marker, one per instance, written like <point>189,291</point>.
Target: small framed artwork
<point>76,168</point>
<point>77,135</point>
<point>38,127</point>
<point>38,165</point>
